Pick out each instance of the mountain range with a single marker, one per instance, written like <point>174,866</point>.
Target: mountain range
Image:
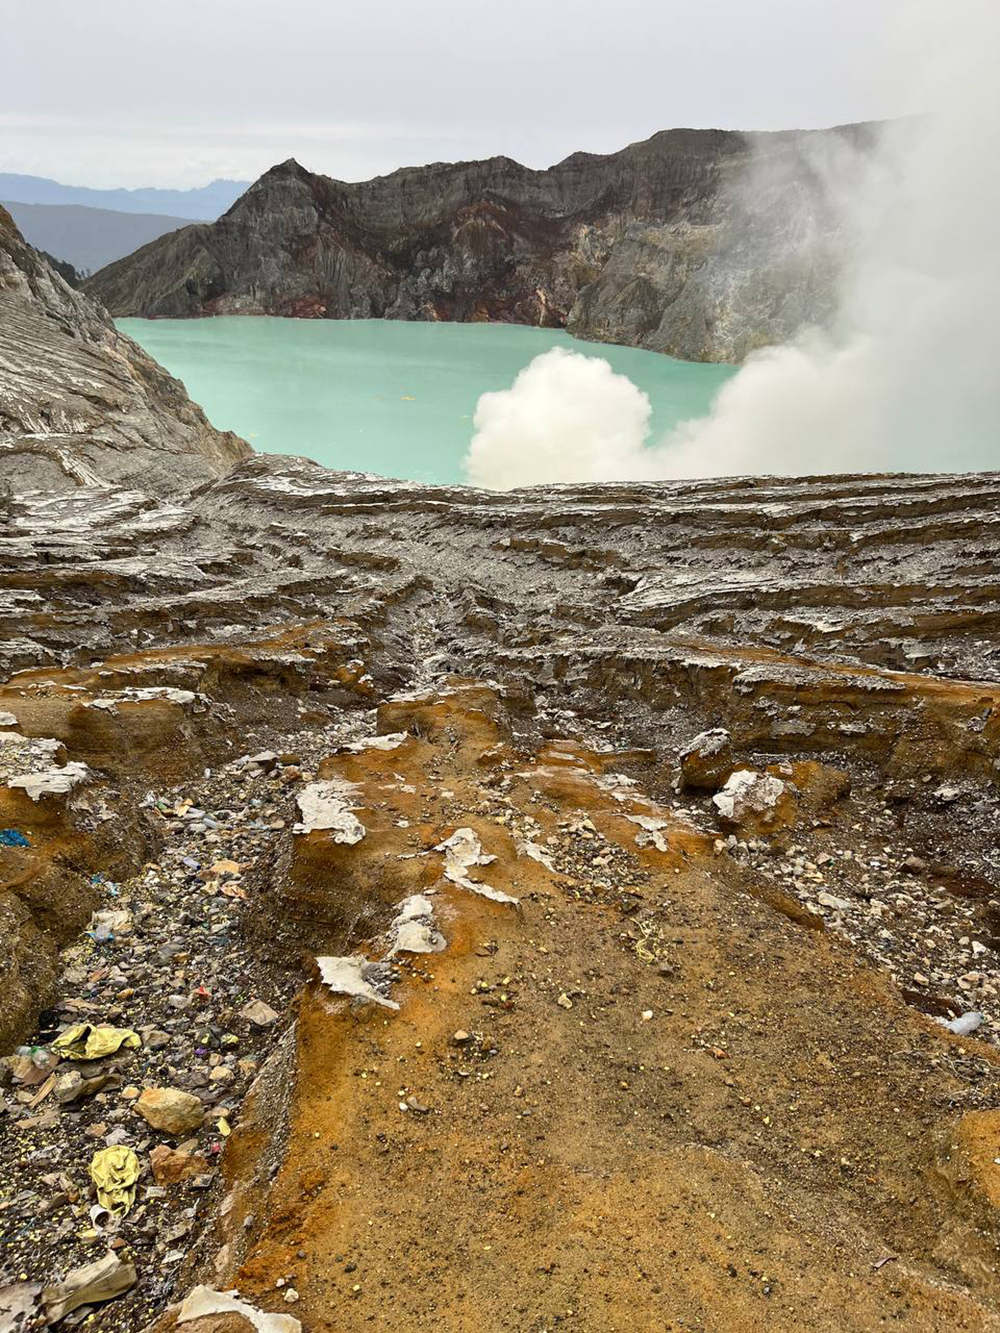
<point>90,228</point>
<point>704,244</point>
<point>88,238</point>
<point>204,203</point>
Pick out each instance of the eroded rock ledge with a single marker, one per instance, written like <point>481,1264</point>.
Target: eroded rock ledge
<point>732,749</point>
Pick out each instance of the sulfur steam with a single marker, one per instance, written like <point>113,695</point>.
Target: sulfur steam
<point>904,377</point>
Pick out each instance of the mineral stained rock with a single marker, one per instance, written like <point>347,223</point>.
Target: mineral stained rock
<point>663,245</point>
<point>556,1041</point>
<point>81,404</point>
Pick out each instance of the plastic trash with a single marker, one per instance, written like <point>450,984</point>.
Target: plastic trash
<point>84,1041</point>
<point>90,1285</point>
<point>964,1024</point>
<point>12,837</point>
<point>115,1172</point>
<point>107,926</point>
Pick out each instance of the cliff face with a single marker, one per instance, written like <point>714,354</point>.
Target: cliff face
<point>663,245</point>
<point>80,404</point>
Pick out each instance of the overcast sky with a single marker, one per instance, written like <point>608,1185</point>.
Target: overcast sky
<point>178,92</point>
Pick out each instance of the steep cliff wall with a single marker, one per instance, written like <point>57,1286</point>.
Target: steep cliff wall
<point>80,404</point>
<point>701,243</point>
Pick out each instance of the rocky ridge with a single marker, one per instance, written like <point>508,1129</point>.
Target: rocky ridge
<point>704,244</point>
<point>521,901</point>
<point>82,405</point>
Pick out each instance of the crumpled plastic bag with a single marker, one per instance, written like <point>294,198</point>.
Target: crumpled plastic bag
<point>90,1285</point>
<point>115,1172</point>
<point>84,1041</point>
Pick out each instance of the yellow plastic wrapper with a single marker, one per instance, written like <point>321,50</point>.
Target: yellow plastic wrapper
<point>86,1042</point>
<point>115,1172</point>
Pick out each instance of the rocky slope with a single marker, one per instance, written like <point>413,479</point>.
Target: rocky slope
<point>701,243</point>
<point>473,983</point>
<point>81,405</point>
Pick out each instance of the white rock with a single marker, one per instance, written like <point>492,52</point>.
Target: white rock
<point>326,806</point>
<point>346,976</point>
<point>748,793</point>
<point>51,782</point>
<point>462,851</point>
<point>206,1301</point>
<point>413,930</point>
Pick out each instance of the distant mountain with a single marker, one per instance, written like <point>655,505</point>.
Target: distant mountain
<point>204,204</point>
<point>88,238</point>
<point>660,245</point>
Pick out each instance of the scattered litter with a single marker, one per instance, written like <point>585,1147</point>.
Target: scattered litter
<point>964,1024</point>
<point>107,926</point>
<point>12,837</point>
<point>115,1172</point>
<point>83,1041</point>
<point>93,1284</point>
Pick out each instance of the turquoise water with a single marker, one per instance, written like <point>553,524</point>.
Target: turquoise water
<point>382,395</point>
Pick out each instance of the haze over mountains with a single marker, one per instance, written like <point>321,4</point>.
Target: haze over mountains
<point>203,204</point>
<point>91,228</point>
<point>88,238</point>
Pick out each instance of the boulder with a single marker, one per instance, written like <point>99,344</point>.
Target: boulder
<point>170,1110</point>
<point>752,803</point>
<point>172,1165</point>
<point>707,761</point>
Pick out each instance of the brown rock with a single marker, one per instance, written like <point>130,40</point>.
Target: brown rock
<point>707,761</point>
<point>171,1165</point>
<point>170,1110</point>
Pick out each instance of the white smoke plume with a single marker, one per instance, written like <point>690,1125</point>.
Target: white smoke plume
<point>905,377</point>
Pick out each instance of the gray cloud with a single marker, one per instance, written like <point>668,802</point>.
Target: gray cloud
<point>175,93</point>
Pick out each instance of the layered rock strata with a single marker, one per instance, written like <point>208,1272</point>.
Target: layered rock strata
<point>80,404</point>
<point>705,244</point>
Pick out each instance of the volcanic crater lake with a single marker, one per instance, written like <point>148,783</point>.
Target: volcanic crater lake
<point>383,396</point>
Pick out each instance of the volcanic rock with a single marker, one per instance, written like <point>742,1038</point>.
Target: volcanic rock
<point>170,1110</point>
<point>81,404</point>
<point>171,1165</point>
<point>708,760</point>
<point>661,245</point>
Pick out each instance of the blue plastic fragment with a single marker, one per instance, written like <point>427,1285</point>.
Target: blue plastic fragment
<point>12,837</point>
